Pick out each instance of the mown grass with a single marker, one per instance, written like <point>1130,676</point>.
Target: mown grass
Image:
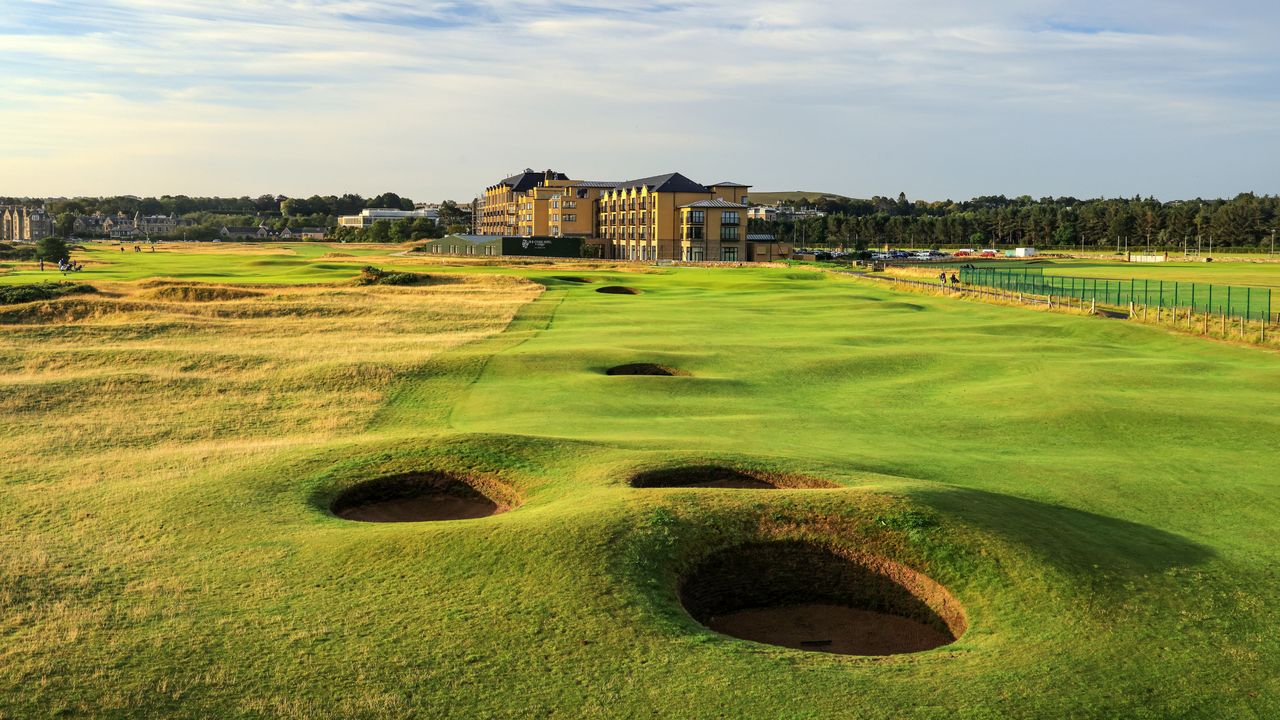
<point>1100,495</point>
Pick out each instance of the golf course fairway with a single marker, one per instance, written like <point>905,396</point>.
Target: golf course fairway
<point>1089,505</point>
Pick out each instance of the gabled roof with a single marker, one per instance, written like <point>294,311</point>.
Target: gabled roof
<point>530,178</point>
<point>715,204</point>
<point>597,184</point>
<point>671,182</point>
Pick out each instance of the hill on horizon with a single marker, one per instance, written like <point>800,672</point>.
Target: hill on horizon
<point>769,198</point>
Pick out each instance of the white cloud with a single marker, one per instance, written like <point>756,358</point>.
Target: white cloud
<point>436,99</point>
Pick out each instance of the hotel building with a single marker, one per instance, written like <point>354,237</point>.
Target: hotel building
<point>664,217</point>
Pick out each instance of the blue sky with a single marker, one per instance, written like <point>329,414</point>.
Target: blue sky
<point>438,99</point>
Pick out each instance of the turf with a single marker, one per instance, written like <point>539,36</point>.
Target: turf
<point>1101,496</point>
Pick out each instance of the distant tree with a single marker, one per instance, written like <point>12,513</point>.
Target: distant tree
<point>64,226</point>
<point>389,200</point>
<point>450,214</point>
<point>401,230</point>
<point>52,249</point>
<point>425,228</point>
<point>380,231</point>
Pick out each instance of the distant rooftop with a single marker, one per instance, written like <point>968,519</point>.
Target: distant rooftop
<point>715,204</point>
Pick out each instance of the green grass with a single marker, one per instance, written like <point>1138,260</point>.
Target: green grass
<point>1101,496</point>
<point>1256,274</point>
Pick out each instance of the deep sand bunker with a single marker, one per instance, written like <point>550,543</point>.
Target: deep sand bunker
<point>618,290</point>
<point>651,369</point>
<point>720,476</point>
<point>416,497</point>
<point>808,597</point>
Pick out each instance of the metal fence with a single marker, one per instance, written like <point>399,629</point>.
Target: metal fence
<point>1248,303</point>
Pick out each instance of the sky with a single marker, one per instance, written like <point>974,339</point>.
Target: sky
<point>935,98</point>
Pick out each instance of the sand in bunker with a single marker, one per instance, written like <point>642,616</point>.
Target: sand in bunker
<point>423,508</point>
<point>830,628</point>
<point>741,482</point>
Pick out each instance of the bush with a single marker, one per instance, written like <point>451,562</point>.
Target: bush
<point>12,294</point>
<point>371,275</point>
<point>17,252</point>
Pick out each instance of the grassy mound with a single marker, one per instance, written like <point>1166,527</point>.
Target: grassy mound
<point>721,476</point>
<point>370,275</point>
<point>13,294</point>
<point>202,293</point>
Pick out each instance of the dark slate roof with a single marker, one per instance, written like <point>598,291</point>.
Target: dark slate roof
<point>671,182</point>
<point>729,184</point>
<point>597,184</point>
<point>715,204</point>
<point>530,178</point>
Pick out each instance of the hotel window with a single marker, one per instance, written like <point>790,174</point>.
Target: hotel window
<point>555,218</point>
<point>570,204</point>
<point>697,217</point>
<point>729,218</point>
<point>555,203</point>
<point>728,233</point>
<point>570,217</point>
<point>729,254</point>
<point>693,232</point>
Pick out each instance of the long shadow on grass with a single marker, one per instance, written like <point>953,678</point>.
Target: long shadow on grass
<point>1073,541</point>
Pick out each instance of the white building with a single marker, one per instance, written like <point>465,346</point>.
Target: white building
<point>369,216</point>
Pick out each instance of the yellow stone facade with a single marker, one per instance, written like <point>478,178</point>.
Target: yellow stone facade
<point>664,217</point>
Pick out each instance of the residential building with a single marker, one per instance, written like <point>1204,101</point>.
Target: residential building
<point>157,225</point>
<point>302,233</point>
<point>261,232</point>
<point>24,224</point>
<point>119,226</point>
<point>369,216</point>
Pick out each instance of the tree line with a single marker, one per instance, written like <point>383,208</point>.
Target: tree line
<point>204,217</point>
<point>1245,222</point>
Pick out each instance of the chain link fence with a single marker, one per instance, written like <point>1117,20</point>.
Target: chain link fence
<point>1246,303</point>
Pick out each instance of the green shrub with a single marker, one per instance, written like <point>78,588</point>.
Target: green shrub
<point>17,252</point>
<point>371,275</point>
<point>12,294</point>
